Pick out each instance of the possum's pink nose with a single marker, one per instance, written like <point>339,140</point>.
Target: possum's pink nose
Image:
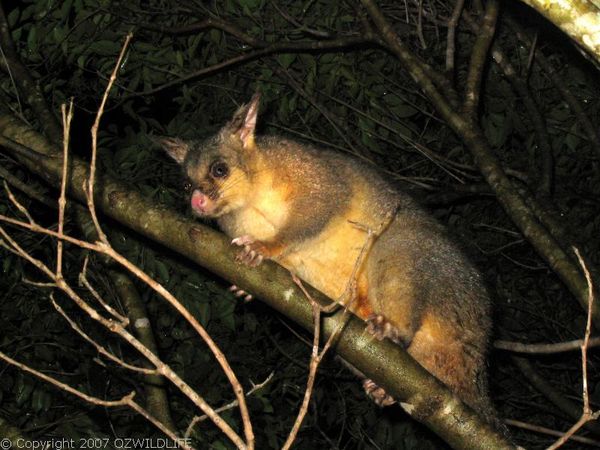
<point>199,202</point>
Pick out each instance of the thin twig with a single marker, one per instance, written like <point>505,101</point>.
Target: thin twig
<point>548,431</point>
<point>117,328</point>
<point>15,202</point>
<point>102,246</point>
<point>89,192</point>
<point>84,281</point>
<point>67,116</point>
<point>559,347</point>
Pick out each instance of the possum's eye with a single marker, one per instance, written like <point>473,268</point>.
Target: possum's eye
<point>187,186</point>
<point>219,169</point>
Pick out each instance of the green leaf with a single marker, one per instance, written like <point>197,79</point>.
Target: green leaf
<point>23,391</point>
<point>65,9</point>
<point>16,34</point>
<point>32,40</point>
<point>40,400</point>
<point>6,263</point>
<point>106,48</point>
<point>404,110</point>
<point>58,33</point>
<point>286,59</point>
<point>218,445</point>
<point>179,58</point>
<point>13,17</point>
<point>163,271</point>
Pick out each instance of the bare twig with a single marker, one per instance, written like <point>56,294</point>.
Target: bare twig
<point>15,202</point>
<point>90,183</point>
<point>102,246</point>
<point>67,116</point>
<point>84,281</point>
<point>278,47</point>
<point>560,347</point>
<point>549,431</point>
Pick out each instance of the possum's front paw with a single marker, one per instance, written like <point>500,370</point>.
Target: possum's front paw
<point>252,253</point>
<point>377,394</point>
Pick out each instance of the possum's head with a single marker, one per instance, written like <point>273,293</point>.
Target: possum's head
<point>219,171</point>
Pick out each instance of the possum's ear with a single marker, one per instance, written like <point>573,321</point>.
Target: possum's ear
<point>176,148</point>
<point>243,122</point>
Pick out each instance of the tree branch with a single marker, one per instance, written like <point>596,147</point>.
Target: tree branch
<point>479,55</point>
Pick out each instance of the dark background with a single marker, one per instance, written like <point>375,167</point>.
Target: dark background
<point>358,100</point>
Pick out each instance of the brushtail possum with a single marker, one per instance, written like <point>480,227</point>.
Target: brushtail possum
<point>301,206</point>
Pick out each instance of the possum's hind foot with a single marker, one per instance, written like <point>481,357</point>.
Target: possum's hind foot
<point>381,328</point>
<point>377,394</point>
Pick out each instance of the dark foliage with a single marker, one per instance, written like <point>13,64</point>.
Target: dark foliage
<point>358,100</point>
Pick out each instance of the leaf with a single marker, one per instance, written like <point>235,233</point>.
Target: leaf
<point>163,271</point>
<point>58,33</point>
<point>23,391</point>
<point>65,9</point>
<point>106,48</point>
<point>218,445</point>
<point>405,111</point>
<point>286,59</point>
<point>13,17</point>
<point>32,40</point>
<point>16,34</point>
<point>40,400</point>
